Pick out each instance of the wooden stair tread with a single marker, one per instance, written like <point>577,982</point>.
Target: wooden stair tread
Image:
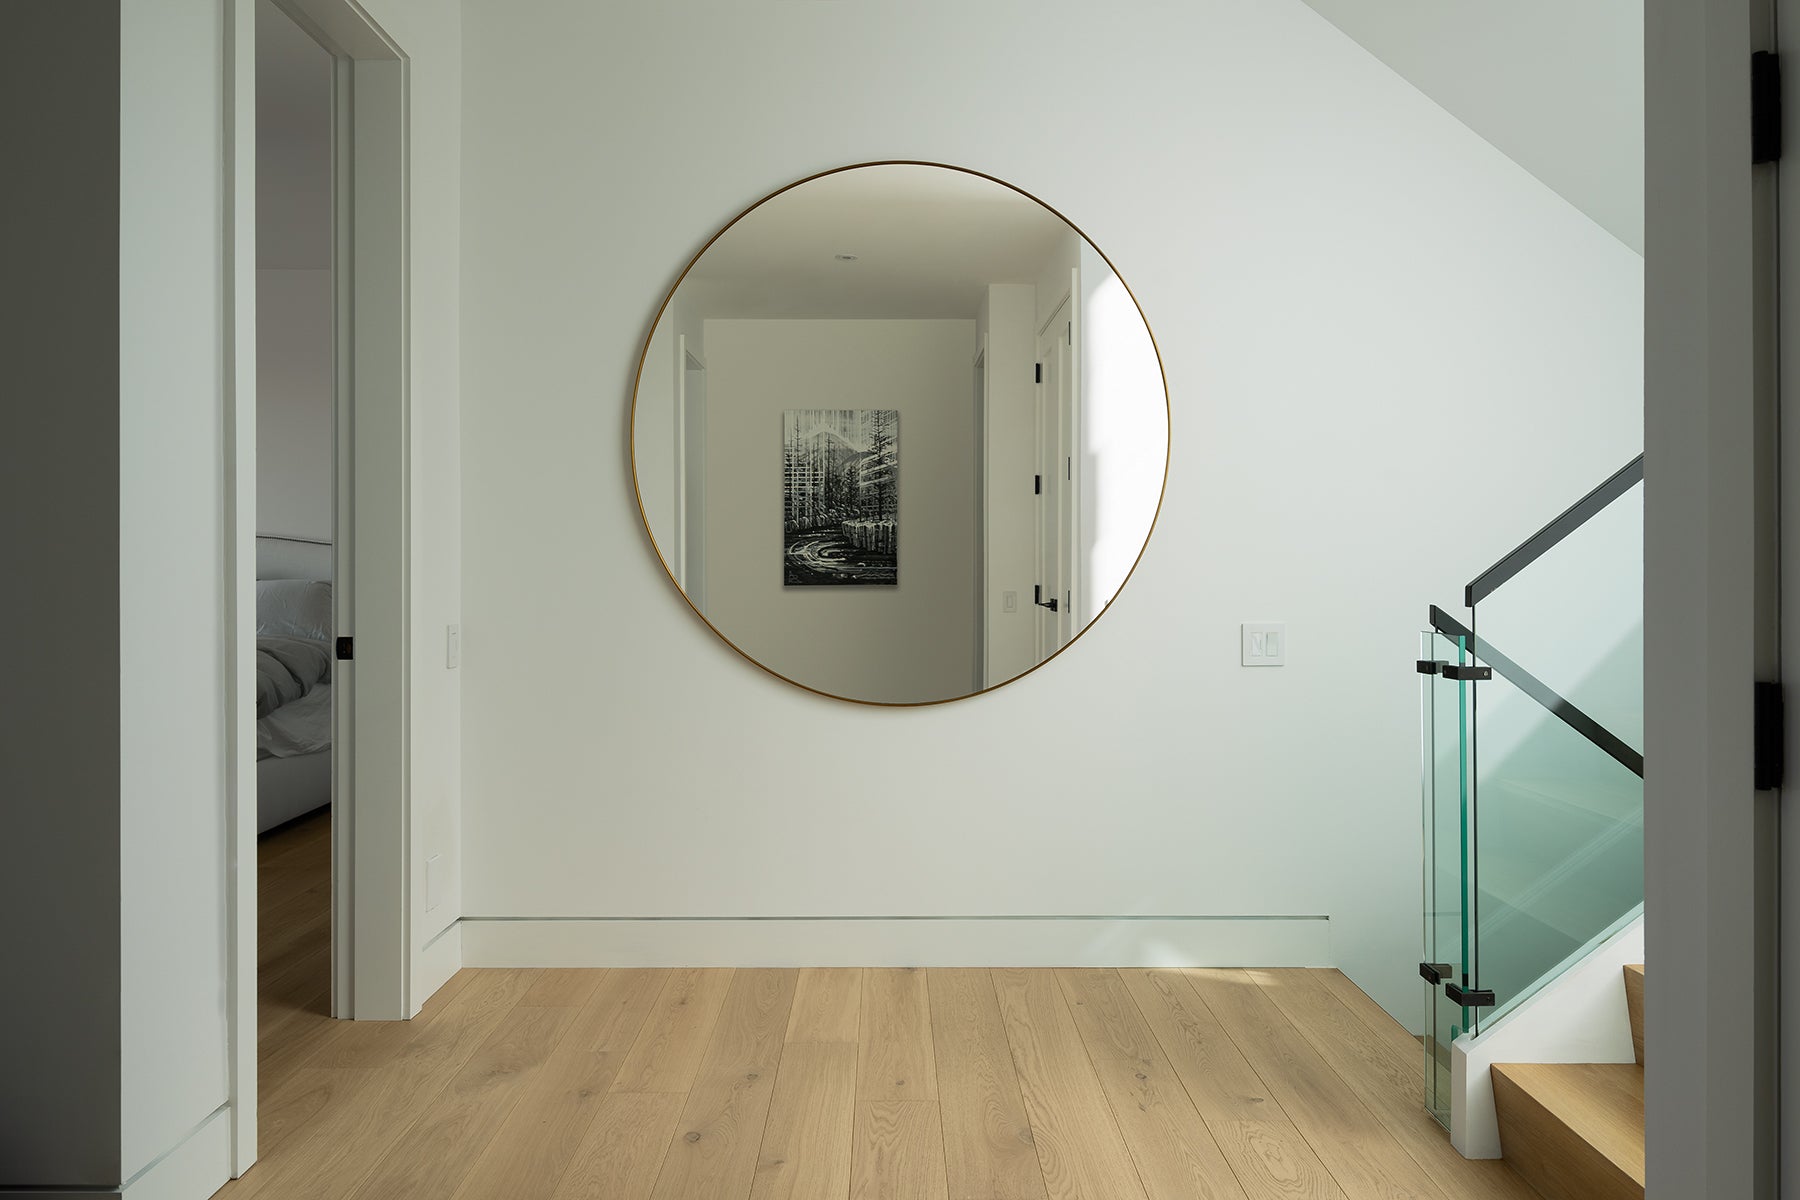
<point>1634,1003</point>
<point>1573,1129</point>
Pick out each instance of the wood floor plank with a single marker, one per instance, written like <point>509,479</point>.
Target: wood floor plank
<point>443,1145</point>
<point>623,1149</point>
<point>713,1154</point>
<point>1079,1148</point>
<point>1175,1154</point>
<point>988,1149</point>
<point>669,1047</point>
<point>896,1060</point>
<point>377,1043</point>
<point>532,1150</point>
<point>827,1005</point>
<point>807,1142</point>
<point>1379,1021</point>
<point>564,987</point>
<point>1273,1161</point>
<point>1351,1141</point>
<point>899,1151</point>
<point>1268,1154</point>
<point>615,1014</point>
<point>1388,1077</point>
<point>1219,1080</point>
<point>540,1137</point>
<point>334,1153</point>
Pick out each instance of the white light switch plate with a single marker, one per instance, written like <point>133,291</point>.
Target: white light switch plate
<point>1264,643</point>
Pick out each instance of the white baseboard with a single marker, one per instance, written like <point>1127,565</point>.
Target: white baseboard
<point>899,941</point>
<point>437,960</point>
<point>1578,1017</point>
<point>193,1170</point>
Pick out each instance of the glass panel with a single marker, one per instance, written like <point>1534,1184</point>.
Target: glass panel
<point>1574,618</point>
<point>1558,841</point>
<point>1443,715</point>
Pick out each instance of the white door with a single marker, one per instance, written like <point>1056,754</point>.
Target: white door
<point>1057,506</point>
<point>690,474</point>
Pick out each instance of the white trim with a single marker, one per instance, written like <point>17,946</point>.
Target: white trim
<point>199,1166</point>
<point>1708,615</point>
<point>1578,1017</point>
<point>240,574</point>
<point>899,941</point>
<point>439,959</point>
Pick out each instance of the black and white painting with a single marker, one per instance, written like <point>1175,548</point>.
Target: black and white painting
<point>840,496</point>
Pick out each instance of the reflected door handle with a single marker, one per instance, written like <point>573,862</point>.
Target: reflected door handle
<point>1037,597</point>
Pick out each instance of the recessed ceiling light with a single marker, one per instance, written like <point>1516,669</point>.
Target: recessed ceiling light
<point>845,257</point>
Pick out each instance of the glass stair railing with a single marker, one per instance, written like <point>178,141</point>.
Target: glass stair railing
<point>1532,768</point>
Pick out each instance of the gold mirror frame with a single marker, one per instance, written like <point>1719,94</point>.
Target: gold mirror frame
<point>637,384</point>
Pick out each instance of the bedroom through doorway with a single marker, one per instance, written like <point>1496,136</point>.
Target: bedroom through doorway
<point>297,523</point>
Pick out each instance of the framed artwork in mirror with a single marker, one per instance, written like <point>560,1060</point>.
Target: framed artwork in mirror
<point>840,496</point>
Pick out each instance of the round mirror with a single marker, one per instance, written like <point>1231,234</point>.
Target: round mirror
<point>900,433</point>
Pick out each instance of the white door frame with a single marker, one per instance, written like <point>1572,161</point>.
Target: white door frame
<point>371,853</point>
<point>1709,611</point>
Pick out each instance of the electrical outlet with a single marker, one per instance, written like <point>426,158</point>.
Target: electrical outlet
<point>1264,643</point>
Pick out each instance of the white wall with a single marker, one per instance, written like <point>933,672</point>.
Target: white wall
<point>1558,87</point>
<point>294,366</point>
<point>430,34</point>
<point>910,642</point>
<point>1368,315</point>
<point>171,568</point>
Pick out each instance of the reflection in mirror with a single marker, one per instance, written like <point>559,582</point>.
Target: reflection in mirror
<point>900,433</point>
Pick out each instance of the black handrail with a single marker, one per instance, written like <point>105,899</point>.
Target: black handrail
<point>1564,710</point>
<point>1538,543</point>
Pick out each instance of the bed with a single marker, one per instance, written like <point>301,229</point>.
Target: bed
<point>293,678</point>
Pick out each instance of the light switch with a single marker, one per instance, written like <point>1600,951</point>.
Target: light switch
<point>1264,644</point>
<point>1009,602</point>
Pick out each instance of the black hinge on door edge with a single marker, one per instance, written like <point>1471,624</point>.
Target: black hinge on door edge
<point>1765,107</point>
<point>1766,722</point>
<point>346,649</point>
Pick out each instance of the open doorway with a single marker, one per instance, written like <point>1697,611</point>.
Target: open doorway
<point>296,499</point>
<point>316,483</point>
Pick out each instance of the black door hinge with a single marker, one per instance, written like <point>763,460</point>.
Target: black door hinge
<point>346,649</point>
<point>1767,723</point>
<point>1765,107</point>
<point>1037,597</point>
<point>1040,373</point>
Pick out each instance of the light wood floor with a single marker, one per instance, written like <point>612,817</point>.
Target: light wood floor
<point>941,1084</point>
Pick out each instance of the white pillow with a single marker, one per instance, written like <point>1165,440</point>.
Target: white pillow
<point>294,608</point>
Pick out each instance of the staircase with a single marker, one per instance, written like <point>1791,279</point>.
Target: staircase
<point>1575,1131</point>
<point>1531,718</point>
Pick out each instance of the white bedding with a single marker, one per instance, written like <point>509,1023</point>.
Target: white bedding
<point>298,727</point>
